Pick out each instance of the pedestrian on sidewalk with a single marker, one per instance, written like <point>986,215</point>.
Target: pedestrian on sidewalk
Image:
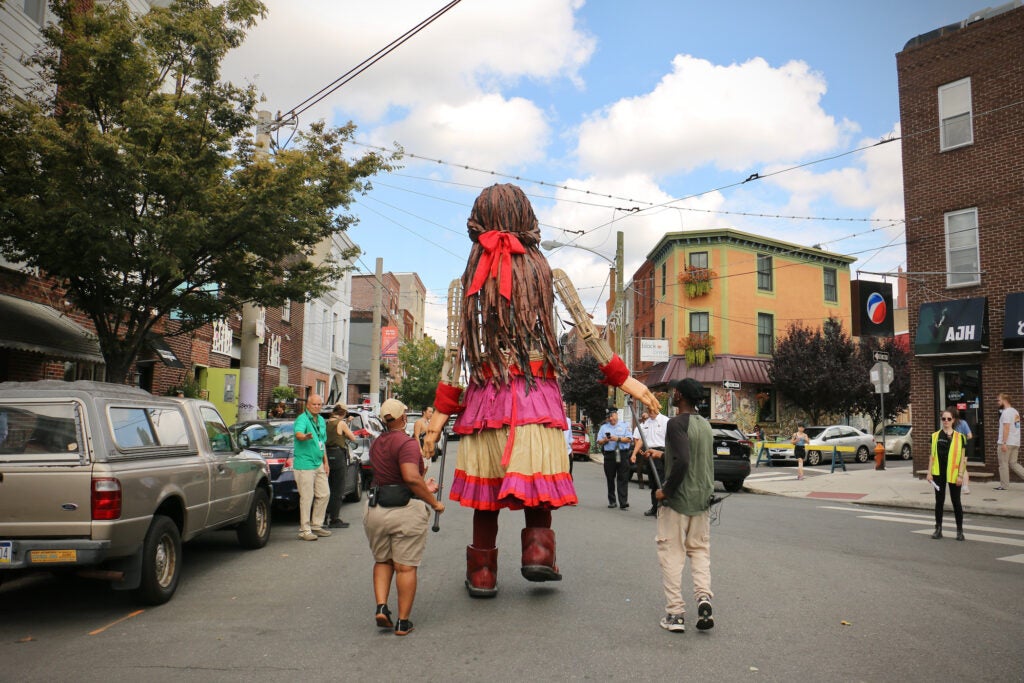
<point>946,466</point>
<point>614,439</point>
<point>799,440</point>
<point>1008,442</point>
<point>684,524</point>
<point>397,516</point>
<point>960,425</point>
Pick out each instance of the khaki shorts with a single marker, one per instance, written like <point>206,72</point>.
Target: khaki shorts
<point>397,534</point>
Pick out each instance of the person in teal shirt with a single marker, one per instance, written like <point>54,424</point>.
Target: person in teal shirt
<point>310,468</point>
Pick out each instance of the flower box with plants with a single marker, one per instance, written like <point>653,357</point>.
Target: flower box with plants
<point>699,348</point>
<point>697,281</point>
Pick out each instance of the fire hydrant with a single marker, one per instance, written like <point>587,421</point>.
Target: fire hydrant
<point>879,456</point>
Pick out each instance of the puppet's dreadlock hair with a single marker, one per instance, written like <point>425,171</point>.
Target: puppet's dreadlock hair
<point>498,332</point>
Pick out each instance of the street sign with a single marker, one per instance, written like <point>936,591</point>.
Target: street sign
<point>881,376</point>
<point>731,384</point>
<point>882,356</point>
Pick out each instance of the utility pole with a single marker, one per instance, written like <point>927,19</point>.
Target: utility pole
<point>378,306</point>
<point>249,363</point>
<point>620,311</point>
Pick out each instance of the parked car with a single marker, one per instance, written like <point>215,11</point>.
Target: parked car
<point>732,454</point>
<point>863,445</point>
<point>274,441</point>
<point>580,442</point>
<point>410,424</point>
<point>108,481</point>
<point>897,440</point>
<point>449,428</point>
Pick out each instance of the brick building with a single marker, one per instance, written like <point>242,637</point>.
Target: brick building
<point>961,91</point>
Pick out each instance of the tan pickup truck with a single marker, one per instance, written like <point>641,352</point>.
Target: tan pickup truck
<point>108,481</point>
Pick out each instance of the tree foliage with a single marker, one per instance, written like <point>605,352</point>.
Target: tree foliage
<point>141,192</point>
<point>421,362</point>
<point>582,386</point>
<point>898,398</point>
<point>818,370</point>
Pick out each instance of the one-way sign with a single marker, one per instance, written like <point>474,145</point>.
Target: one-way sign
<point>730,384</point>
<point>881,356</point>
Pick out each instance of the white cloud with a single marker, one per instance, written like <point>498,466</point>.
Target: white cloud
<point>468,52</point>
<point>732,117</point>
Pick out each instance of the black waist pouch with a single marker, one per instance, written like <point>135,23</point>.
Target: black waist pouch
<point>393,495</point>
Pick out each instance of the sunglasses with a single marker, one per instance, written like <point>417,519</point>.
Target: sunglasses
<point>947,419</point>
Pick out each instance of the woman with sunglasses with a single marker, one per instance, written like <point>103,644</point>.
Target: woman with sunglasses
<point>946,465</point>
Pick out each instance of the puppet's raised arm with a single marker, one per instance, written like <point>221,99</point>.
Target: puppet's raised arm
<point>614,370</point>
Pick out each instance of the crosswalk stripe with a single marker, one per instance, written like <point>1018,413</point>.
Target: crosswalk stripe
<point>1012,558</point>
<point>946,524</point>
<point>982,538</point>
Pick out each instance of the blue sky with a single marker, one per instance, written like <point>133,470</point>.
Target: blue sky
<point>648,101</point>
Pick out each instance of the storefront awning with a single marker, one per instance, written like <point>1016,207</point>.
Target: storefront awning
<point>1013,326</point>
<point>746,370</point>
<point>952,328</point>
<point>35,327</point>
<point>159,346</point>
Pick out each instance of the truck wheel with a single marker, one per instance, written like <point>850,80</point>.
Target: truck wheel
<point>161,561</point>
<point>254,532</point>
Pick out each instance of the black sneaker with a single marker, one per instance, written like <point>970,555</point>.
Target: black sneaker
<point>338,524</point>
<point>403,627</point>
<point>673,622</point>
<point>652,512</point>
<point>704,619</point>
<point>383,617</point>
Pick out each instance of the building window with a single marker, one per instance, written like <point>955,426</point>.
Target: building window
<point>662,328</point>
<point>334,333</point>
<point>955,126</point>
<point>699,259</point>
<point>286,312</point>
<point>831,289</point>
<point>963,261</point>
<point>699,323</point>
<point>324,332</point>
<point>765,333</point>
<point>764,272</point>
<point>321,388</point>
<point>36,10</point>
<point>664,278</point>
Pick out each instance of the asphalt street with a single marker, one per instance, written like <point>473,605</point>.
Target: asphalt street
<point>809,588</point>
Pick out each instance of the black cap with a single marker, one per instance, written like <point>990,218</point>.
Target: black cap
<point>691,389</point>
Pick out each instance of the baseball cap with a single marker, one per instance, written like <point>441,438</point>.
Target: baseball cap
<point>691,389</point>
<point>392,409</point>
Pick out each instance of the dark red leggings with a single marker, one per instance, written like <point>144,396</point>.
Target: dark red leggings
<point>485,525</point>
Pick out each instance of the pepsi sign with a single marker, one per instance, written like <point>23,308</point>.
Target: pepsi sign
<point>872,308</point>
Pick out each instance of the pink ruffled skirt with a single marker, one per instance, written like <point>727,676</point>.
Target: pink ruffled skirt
<point>512,451</point>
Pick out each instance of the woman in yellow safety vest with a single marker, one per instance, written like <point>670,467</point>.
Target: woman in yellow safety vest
<point>946,466</point>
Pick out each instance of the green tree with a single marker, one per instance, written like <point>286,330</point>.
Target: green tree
<point>141,193</point>
<point>582,386</point>
<point>421,362</point>
<point>898,398</point>
<point>818,370</point>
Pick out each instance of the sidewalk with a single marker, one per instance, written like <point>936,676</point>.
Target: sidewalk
<point>889,487</point>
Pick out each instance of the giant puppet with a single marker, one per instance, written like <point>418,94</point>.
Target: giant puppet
<point>511,418</point>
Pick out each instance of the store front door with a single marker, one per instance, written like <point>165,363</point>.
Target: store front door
<point>960,387</point>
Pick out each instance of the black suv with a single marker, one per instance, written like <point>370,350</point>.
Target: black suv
<point>732,454</point>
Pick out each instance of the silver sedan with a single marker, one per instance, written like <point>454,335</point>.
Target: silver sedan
<point>821,441</point>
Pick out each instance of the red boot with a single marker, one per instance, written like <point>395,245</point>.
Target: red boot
<point>481,572</point>
<point>539,555</point>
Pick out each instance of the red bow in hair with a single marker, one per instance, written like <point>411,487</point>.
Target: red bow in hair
<point>496,261</point>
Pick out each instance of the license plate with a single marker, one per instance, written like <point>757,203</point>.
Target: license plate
<point>43,556</point>
<point>6,552</point>
<point>722,450</point>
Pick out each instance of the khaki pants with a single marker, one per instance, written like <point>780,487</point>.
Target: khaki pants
<point>1008,461</point>
<point>313,495</point>
<point>680,537</point>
